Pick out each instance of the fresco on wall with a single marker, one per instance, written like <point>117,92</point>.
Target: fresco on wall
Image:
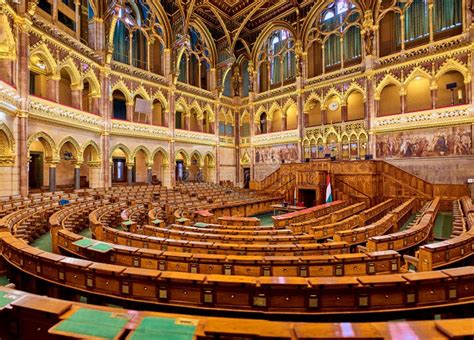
<point>275,154</point>
<point>446,141</point>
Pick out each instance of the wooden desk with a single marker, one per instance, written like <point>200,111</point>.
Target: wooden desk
<point>285,208</point>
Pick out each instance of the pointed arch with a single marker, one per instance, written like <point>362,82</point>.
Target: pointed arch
<point>418,72</point>
<point>48,143</point>
<point>269,29</point>
<point>120,85</point>
<point>75,145</point>
<point>260,110</point>
<point>158,95</point>
<point>211,159</point>
<point>195,105</point>
<point>8,145</point>
<point>389,79</point>
<point>97,155</point>
<point>145,151</point>
<point>212,116</point>
<point>182,102</point>
<point>245,158</point>
<point>196,154</point>
<point>124,149</point>
<point>354,87</point>
<point>275,106</point>
<point>309,104</point>
<point>160,150</point>
<point>331,93</point>
<point>290,102</point>
<point>140,90</point>
<point>91,78</point>
<point>453,65</point>
<point>184,154</point>
<point>70,67</point>
<point>45,55</point>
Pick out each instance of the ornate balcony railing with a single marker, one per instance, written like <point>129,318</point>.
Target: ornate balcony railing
<point>431,118</point>
<point>125,128</point>
<point>195,137</point>
<point>282,137</point>
<point>42,109</point>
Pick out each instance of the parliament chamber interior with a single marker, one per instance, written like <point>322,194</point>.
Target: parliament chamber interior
<point>236,169</point>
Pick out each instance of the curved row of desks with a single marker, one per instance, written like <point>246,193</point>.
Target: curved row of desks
<point>363,294</point>
<point>29,316</point>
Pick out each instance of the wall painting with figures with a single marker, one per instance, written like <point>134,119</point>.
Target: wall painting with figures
<point>275,154</point>
<point>446,141</point>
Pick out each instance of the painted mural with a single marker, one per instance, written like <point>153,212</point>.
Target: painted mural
<point>426,143</point>
<point>276,154</point>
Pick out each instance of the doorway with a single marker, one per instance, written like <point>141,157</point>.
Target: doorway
<point>119,170</point>
<point>246,178</point>
<point>179,171</point>
<point>35,170</point>
<point>308,197</point>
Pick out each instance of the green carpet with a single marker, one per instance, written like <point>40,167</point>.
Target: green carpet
<point>4,280</point>
<point>86,233</point>
<point>443,226</point>
<point>162,328</point>
<point>410,219</point>
<point>265,219</point>
<point>43,242</point>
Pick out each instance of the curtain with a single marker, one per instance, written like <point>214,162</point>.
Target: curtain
<point>245,130</point>
<point>417,20</point>
<point>289,65</point>
<point>227,84</point>
<point>245,79</point>
<point>139,50</point>
<point>332,50</point>
<point>275,70</point>
<point>447,14</point>
<point>222,128</point>
<point>352,43</point>
<point>182,70</point>
<point>121,43</point>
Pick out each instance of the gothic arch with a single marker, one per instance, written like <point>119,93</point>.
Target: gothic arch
<point>389,79</point>
<point>45,55</point>
<point>145,151</point>
<point>124,149</point>
<point>269,29</point>
<point>76,146</point>
<point>163,153</point>
<point>47,142</point>
<point>120,85</point>
<point>97,155</point>
<point>91,78</point>
<point>71,69</point>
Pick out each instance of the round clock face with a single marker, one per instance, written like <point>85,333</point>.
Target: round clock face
<point>333,106</point>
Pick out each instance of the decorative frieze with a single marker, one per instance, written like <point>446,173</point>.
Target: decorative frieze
<point>276,138</point>
<point>195,137</point>
<point>41,109</point>
<point>431,118</point>
<point>124,128</point>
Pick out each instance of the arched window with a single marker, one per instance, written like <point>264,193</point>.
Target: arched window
<point>263,122</point>
<point>195,64</point>
<point>277,62</point>
<point>119,104</point>
<point>138,34</point>
<point>334,39</point>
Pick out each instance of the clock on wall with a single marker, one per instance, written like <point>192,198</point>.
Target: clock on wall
<point>333,106</point>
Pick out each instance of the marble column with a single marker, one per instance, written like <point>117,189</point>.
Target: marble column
<point>129,174</point>
<point>52,177</point>
<point>130,111</point>
<point>76,98</point>
<point>77,176</point>
<point>149,174</point>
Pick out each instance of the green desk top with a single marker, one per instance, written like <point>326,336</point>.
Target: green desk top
<point>157,221</point>
<point>102,247</point>
<point>164,328</point>
<point>93,323</point>
<point>201,225</point>
<point>182,219</point>
<point>6,298</point>
<point>85,242</point>
<point>129,222</point>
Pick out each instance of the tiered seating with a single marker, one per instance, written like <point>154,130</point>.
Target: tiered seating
<point>419,232</point>
<point>54,317</point>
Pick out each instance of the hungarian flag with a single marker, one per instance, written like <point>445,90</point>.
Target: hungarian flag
<point>328,189</point>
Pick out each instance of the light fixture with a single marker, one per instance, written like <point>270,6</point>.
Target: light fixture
<point>417,78</point>
<point>41,65</point>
